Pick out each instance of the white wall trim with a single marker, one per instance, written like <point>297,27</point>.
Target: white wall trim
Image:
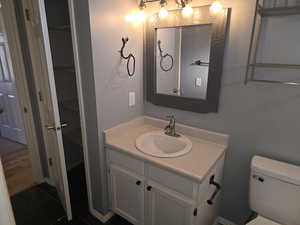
<point>81,103</point>
<point>99,216</point>
<point>6,213</point>
<point>223,221</point>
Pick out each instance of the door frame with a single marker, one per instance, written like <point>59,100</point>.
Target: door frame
<point>12,34</point>
<point>81,104</point>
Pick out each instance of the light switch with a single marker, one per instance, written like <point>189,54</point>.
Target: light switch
<point>198,82</point>
<point>132,98</point>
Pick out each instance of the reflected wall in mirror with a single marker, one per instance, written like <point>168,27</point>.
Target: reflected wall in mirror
<point>182,60</point>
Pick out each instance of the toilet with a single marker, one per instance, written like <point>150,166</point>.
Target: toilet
<point>274,192</point>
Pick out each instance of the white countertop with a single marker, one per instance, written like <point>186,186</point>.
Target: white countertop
<point>207,148</point>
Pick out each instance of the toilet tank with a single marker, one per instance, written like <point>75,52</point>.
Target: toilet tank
<point>275,190</point>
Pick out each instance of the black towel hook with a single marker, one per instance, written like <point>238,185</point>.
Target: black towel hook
<point>128,58</point>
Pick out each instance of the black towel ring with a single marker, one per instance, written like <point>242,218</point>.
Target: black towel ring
<point>163,56</point>
<point>128,58</point>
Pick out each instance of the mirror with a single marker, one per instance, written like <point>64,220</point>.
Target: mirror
<point>184,59</point>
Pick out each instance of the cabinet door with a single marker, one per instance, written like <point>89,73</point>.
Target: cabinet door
<point>127,194</point>
<point>166,207</point>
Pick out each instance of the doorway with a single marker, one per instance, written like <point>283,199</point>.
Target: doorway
<point>14,152</point>
<point>48,35</point>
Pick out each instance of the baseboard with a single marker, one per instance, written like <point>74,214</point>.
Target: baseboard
<point>99,216</point>
<point>223,221</point>
<point>48,181</point>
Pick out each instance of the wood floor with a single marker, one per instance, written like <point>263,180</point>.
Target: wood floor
<point>17,166</point>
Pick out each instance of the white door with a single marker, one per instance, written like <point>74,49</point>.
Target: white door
<point>39,46</point>
<point>127,195</point>
<point>11,124</point>
<point>165,207</point>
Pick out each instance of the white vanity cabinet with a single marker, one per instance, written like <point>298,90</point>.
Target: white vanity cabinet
<point>127,193</point>
<point>145,193</point>
<point>164,206</point>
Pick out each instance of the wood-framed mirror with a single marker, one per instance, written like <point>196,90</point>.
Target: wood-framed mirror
<point>184,59</point>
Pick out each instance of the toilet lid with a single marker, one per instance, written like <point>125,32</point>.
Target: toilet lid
<point>262,221</point>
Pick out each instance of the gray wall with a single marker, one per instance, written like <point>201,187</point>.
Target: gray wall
<point>261,119</point>
<point>111,82</point>
<point>108,26</point>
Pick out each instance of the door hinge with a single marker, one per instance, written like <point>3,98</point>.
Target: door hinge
<point>195,212</point>
<point>27,15</point>
<point>50,162</point>
<point>40,96</point>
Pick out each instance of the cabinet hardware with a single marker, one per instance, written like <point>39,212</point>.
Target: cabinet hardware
<point>50,162</point>
<point>27,14</point>
<point>218,188</point>
<point>40,96</point>
<point>149,188</point>
<point>260,179</point>
<point>195,212</point>
<point>138,182</point>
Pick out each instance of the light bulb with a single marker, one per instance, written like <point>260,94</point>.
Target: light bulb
<point>187,11</point>
<point>216,7</point>
<point>163,13</point>
<point>141,15</point>
<point>136,17</point>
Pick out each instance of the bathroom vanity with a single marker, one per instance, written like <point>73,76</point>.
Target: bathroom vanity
<point>183,190</point>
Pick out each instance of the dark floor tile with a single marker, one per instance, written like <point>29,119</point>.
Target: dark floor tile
<point>35,206</point>
<point>40,205</point>
<point>90,220</point>
<point>75,221</point>
<point>49,189</point>
<point>117,220</point>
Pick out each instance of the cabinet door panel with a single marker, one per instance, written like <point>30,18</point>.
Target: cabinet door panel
<point>127,195</point>
<point>165,207</point>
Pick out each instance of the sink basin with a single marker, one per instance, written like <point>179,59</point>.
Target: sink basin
<point>159,144</point>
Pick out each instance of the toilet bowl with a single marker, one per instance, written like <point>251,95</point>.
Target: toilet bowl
<point>262,221</point>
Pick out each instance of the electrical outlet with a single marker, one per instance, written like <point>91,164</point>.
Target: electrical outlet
<point>132,98</point>
<point>198,82</point>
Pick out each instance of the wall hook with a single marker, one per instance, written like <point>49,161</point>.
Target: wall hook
<point>163,56</point>
<point>128,58</point>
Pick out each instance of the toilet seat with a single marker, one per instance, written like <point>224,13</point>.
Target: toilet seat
<point>262,221</point>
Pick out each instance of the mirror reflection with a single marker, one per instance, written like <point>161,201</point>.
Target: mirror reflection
<point>182,60</point>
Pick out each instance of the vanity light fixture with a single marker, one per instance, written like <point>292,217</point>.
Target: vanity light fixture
<point>138,16</point>
<point>142,15</point>
<point>163,12</point>
<point>187,10</point>
<point>216,7</point>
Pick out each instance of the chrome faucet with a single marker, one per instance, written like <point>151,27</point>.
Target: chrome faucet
<point>170,128</point>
